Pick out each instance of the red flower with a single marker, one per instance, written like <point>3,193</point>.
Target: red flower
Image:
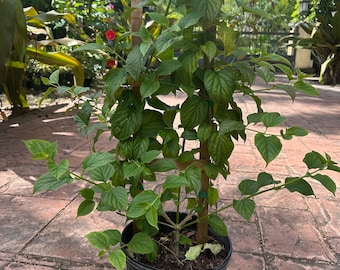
<point>111,63</point>
<point>110,35</point>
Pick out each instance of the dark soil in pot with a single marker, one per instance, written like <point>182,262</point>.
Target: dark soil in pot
<point>166,260</point>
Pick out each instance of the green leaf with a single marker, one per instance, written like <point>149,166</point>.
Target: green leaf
<point>163,165</point>
<point>212,196</point>
<point>255,117</point>
<point>152,216</point>
<point>141,204</point>
<point>41,149</point>
<point>290,90</point>
<point>268,146</point>
<point>114,80</point>
<point>306,88</point>
<point>265,179</point>
<point>297,131</point>
<point>131,169</point>
<point>149,156</point>
<point>210,10</point>
<point>82,118</point>
<point>314,160</point>
<point>228,126</point>
<point>54,77</point>
<point>95,160</point>
<point>286,70</point>
<point>273,58</point>
<point>228,37</point>
<point>220,85</point>
<point>272,119</point>
<point>117,258</point>
<point>248,187</point>
<point>189,62</point>
<point>299,185</point>
<point>194,175</point>
<point>114,236</point>
<point>189,20</point>
<point>174,181</point>
<point>58,169</point>
<point>218,225</point>
<point>258,12</point>
<point>168,66</point>
<point>49,182</point>
<point>244,207</point>
<point>85,208</point>
<point>152,123</point>
<point>267,75</point>
<point>61,90</point>
<point>140,146</point>
<point>326,181</point>
<point>193,112</point>
<point>116,198</point>
<point>148,87</point>
<point>135,62</point>
<point>125,121</point>
<point>220,148</point>
<point>141,243</point>
<point>203,132</point>
<point>102,173</point>
<point>210,50</point>
<point>186,156</point>
<point>159,18</point>
<point>333,167</point>
<point>87,193</point>
<point>98,240</point>
<point>165,40</point>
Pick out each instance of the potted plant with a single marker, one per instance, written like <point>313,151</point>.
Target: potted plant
<point>171,106</point>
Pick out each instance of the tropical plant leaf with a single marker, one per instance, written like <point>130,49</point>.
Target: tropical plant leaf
<point>168,66</point>
<point>272,119</point>
<point>98,240</point>
<point>306,88</point>
<point>135,62</point>
<point>141,243</point>
<point>125,121</point>
<point>117,258</point>
<point>174,181</point>
<point>102,173</point>
<point>220,85</point>
<point>58,169</point>
<point>268,146</point>
<point>314,160</point>
<point>149,87</point>
<point>163,165</point>
<point>245,207</point>
<point>193,112</point>
<point>95,160</point>
<point>41,149</point>
<point>326,181</point>
<point>218,225</point>
<point>220,148</point>
<point>248,187</point>
<point>189,20</point>
<point>49,182</point>
<point>85,208</point>
<point>299,185</point>
<point>115,79</point>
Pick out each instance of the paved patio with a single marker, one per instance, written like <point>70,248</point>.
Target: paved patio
<point>288,231</point>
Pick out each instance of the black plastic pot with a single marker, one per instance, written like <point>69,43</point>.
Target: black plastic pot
<point>133,264</point>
